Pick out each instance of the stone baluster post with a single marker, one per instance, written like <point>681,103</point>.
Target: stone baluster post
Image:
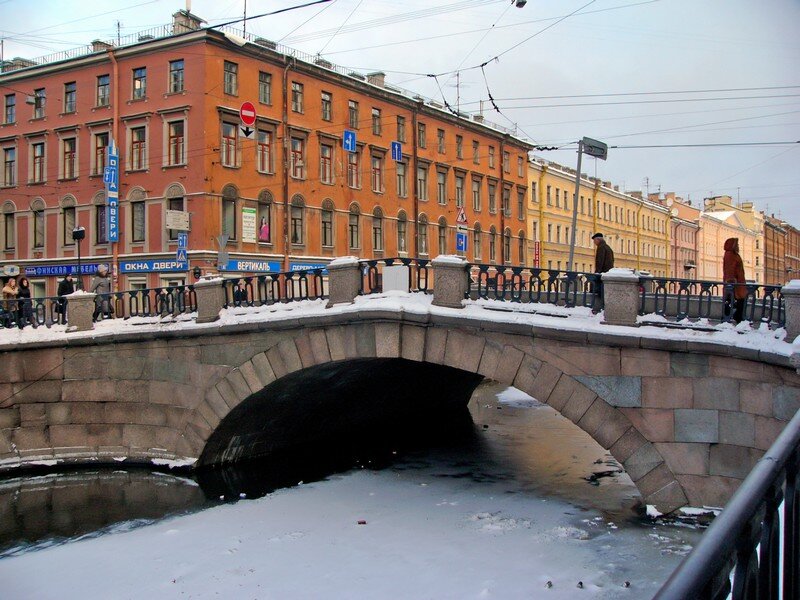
<point>791,309</point>
<point>80,310</point>
<point>344,280</point>
<point>450,281</point>
<point>620,297</point>
<point>210,299</point>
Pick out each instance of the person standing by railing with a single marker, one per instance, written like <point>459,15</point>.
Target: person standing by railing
<point>101,285</point>
<point>24,304</point>
<point>603,263</point>
<point>10,293</point>
<point>733,273</point>
<point>65,287</point>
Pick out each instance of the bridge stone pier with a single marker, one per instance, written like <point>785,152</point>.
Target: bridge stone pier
<point>687,420</point>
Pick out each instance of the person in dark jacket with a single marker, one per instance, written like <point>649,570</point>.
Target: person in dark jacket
<point>603,263</point>
<point>240,294</point>
<point>733,273</point>
<point>101,285</point>
<point>24,304</point>
<point>65,287</point>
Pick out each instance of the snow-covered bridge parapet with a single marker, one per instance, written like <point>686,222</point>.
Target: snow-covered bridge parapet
<point>687,413</point>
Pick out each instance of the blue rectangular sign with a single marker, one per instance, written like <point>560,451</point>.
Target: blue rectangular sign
<point>298,266</point>
<point>59,270</point>
<point>159,265</point>
<point>183,240</point>
<point>397,151</point>
<point>248,265</point>
<point>112,192</point>
<point>349,140</point>
<point>461,242</point>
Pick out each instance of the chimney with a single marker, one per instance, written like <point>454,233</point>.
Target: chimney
<point>357,75</point>
<point>616,188</point>
<point>377,78</point>
<point>101,46</point>
<point>183,21</point>
<point>477,118</point>
<point>266,43</point>
<point>607,184</point>
<point>323,63</point>
<point>16,63</point>
<point>636,194</point>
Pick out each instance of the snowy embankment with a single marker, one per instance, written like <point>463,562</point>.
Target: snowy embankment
<point>578,319</point>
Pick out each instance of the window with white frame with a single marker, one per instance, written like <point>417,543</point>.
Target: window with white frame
<point>229,148</point>
<point>264,150</point>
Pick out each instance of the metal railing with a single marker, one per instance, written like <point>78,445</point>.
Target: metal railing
<point>752,549</point>
<point>533,285</point>
<point>420,274</point>
<point>688,299</point>
<point>272,288</point>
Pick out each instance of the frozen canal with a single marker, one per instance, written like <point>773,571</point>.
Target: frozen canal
<point>521,505</point>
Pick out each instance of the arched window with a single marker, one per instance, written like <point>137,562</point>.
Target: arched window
<point>507,245</point>
<point>327,223</point>
<point>402,231</point>
<point>175,196</point>
<point>9,225</point>
<point>37,208</point>
<point>68,219</point>
<point>423,234</point>
<point>442,235</point>
<point>354,226</point>
<point>265,217</point>
<point>229,197</point>
<point>492,244</point>
<point>521,247</point>
<point>298,219</point>
<point>136,198</point>
<point>476,241</point>
<point>377,229</point>
<point>100,218</point>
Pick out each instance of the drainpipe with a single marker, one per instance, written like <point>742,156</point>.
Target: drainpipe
<point>286,203</point>
<point>114,134</point>
<point>541,199</point>
<point>415,141</point>
<point>639,237</point>
<point>502,200</point>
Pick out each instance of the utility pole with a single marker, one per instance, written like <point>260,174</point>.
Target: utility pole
<point>592,148</point>
<point>119,36</point>
<point>244,21</point>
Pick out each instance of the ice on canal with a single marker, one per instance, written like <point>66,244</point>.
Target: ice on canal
<point>528,507</point>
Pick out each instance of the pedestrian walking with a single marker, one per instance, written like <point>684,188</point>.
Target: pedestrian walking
<point>101,285</point>
<point>65,287</point>
<point>24,303</point>
<point>733,273</point>
<point>603,263</point>
<point>10,293</point>
<point>240,294</point>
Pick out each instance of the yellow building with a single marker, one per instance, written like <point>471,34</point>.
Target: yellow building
<point>637,229</point>
<point>722,219</point>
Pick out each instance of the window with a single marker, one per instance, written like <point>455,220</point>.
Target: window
<point>558,234</point>
<point>507,246</point>
<point>229,196</point>
<point>326,163</point>
<point>442,236</point>
<point>421,135</point>
<point>549,196</point>
<point>230,144</point>
<point>476,194</point>
<point>39,103</point>
<point>264,151</point>
<point>10,109</point>
<point>264,87</point>
<point>139,83</point>
<point>100,153</point>
<point>352,114</point>
<point>422,182</point>
<point>353,233</point>
<point>377,229</point>
<point>103,91</point>
<point>265,217</point>
<point>353,170</point>
<point>492,244</point>
<point>138,148</point>
<point>534,197</point>
<point>491,157</point>
<point>507,202</point>
<point>230,78</point>
<point>402,179</point>
<point>175,202</point>
<point>297,157</point>
<point>100,223</point>
<point>441,187</point>
<point>327,106</point>
<point>459,191</point>
<point>476,152</point>
<point>401,129</point>
<point>440,141</point>
<point>476,241</point>
<point>176,144</point>
<point>558,198</point>
<point>9,226</point>
<point>521,247</point>
<point>423,234</point>
<point>376,121</point>
<point>459,146</point>
<point>506,162</point>
<point>70,97</point>
<point>138,220</point>
<point>520,167</point>
<point>377,174</point>
<point>39,172</point>
<point>175,76</point>
<point>297,97</point>
<point>9,167</point>
<point>402,232</point>
<point>492,197</point>
<point>521,203</point>
<point>68,149</point>
<point>38,223</point>
<point>327,223</point>
<point>69,221</point>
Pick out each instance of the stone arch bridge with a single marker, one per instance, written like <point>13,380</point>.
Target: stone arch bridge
<point>687,420</point>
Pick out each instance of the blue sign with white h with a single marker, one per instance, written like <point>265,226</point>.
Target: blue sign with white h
<point>183,240</point>
<point>397,151</point>
<point>111,179</point>
<point>461,242</point>
<point>349,140</point>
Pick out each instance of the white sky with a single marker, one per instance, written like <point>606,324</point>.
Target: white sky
<point>646,46</point>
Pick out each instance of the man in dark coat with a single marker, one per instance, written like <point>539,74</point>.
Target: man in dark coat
<point>603,263</point>
<point>65,287</point>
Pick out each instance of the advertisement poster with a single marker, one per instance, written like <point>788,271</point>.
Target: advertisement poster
<point>249,224</point>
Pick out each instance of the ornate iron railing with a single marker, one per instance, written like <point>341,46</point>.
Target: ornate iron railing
<point>752,549</point>
<point>688,299</point>
<point>272,288</point>
<point>420,274</point>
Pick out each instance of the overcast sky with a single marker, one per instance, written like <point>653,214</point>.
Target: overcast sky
<point>606,47</point>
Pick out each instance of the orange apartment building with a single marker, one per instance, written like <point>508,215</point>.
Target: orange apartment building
<point>286,193</point>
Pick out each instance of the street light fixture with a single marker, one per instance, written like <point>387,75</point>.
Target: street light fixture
<point>77,235</point>
<point>592,148</point>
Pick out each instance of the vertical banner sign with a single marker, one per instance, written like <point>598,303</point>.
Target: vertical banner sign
<point>111,179</point>
<point>249,224</point>
<point>181,255</point>
<point>537,253</point>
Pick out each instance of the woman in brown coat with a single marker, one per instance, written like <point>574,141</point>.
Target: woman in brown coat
<point>733,272</point>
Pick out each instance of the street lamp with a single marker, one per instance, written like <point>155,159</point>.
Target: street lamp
<point>592,148</point>
<point>77,235</point>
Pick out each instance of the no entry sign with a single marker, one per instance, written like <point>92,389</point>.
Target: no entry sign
<point>247,113</point>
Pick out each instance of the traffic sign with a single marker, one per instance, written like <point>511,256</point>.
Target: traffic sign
<point>595,148</point>
<point>397,151</point>
<point>349,140</point>
<point>461,242</point>
<point>109,174</point>
<point>181,255</point>
<point>462,216</point>
<point>247,113</point>
<point>183,240</point>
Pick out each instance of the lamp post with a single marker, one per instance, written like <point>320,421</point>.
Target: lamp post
<point>592,148</point>
<point>77,235</point>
